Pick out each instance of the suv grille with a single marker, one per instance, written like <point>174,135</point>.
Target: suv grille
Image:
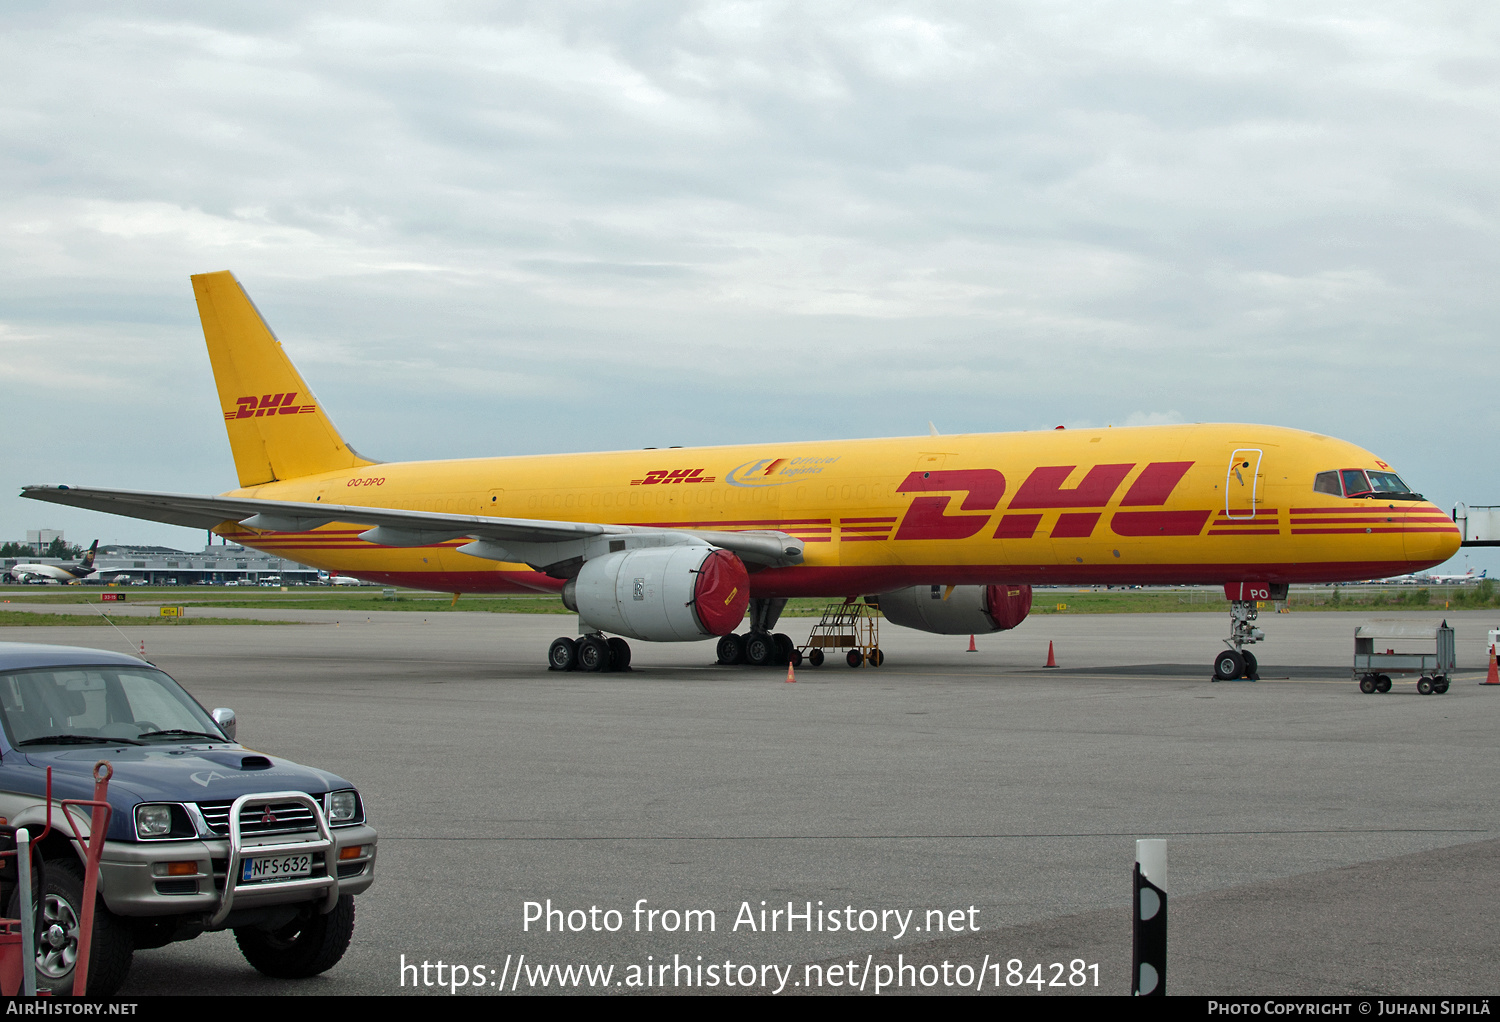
<point>289,818</point>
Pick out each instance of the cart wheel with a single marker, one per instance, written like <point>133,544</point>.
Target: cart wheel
<point>1424,686</point>
<point>876,657</point>
<point>855,658</point>
<point>815,657</point>
<point>1439,685</point>
<point>796,658</point>
<point>1367,684</point>
<point>1229,665</point>
<point>1383,683</point>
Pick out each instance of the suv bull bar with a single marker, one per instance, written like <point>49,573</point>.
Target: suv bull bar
<point>237,850</point>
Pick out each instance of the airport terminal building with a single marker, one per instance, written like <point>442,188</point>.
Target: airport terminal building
<point>214,565</point>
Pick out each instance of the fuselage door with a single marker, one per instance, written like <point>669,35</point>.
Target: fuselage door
<point>1242,483</point>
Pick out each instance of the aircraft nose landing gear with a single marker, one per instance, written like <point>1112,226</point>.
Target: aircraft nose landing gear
<point>1236,661</point>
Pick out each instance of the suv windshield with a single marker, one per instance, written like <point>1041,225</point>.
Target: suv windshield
<point>69,704</point>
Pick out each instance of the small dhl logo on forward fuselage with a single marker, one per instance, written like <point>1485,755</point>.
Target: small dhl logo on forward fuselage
<point>268,404</point>
<point>673,475</point>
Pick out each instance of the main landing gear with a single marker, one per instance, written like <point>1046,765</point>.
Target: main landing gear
<point>1236,661</point>
<point>760,647</point>
<point>589,653</point>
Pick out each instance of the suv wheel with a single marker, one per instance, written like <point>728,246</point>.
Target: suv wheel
<point>57,933</point>
<point>303,947</point>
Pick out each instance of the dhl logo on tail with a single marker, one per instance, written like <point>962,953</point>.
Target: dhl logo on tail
<point>268,404</point>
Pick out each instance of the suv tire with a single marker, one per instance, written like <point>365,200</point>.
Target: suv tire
<point>301,948</point>
<point>110,950</point>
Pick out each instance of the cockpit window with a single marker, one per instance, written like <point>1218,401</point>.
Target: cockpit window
<point>1387,482</point>
<point>1356,482</point>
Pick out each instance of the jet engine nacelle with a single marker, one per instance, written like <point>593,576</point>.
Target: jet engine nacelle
<point>662,594</point>
<point>969,610</point>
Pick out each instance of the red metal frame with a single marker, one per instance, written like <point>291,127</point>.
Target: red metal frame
<point>98,832</point>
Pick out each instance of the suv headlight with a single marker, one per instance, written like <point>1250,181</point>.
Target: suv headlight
<point>343,806</point>
<point>159,820</point>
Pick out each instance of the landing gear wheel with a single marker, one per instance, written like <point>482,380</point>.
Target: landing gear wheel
<point>815,657</point>
<point>619,654</point>
<point>563,656</point>
<point>1229,665</point>
<point>1439,685</point>
<point>593,653</point>
<point>303,947</point>
<point>760,649</point>
<point>1383,683</point>
<point>110,950</point>
<point>1252,672</point>
<point>1367,684</point>
<point>785,647</point>
<point>854,658</point>
<point>876,657</point>
<point>1424,686</point>
<point>731,649</point>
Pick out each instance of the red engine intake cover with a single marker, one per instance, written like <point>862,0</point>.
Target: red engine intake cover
<point>1008,605</point>
<point>722,593</point>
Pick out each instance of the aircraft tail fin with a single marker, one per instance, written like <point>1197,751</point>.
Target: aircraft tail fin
<point>277,429</point>
<point>87,564</point>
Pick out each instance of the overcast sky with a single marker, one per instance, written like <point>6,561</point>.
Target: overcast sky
<point>485,229</point>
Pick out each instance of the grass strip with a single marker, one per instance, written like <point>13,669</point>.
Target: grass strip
<point>28,619</point>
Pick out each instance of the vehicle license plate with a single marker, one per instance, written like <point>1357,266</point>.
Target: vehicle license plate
<point>275,867</point>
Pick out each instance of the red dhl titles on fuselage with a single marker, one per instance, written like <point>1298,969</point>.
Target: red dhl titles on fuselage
<point>1165,504</point>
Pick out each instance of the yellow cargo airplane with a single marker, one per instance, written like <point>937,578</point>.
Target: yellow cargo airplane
<point>948,533</point>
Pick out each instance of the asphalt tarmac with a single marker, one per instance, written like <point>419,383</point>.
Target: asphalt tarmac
<point>1320,841</point>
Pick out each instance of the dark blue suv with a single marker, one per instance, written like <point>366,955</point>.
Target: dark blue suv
<point>204,834</point>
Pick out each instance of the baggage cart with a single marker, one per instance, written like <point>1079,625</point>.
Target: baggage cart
<point>1424,650</point>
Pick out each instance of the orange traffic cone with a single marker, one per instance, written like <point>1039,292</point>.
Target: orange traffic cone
<point>1494,675</point>
<point>791,677</point>
<point>972,647</point>
<point>143,651</point>
<point>1051,659</point>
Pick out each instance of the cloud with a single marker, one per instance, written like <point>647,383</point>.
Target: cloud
<point>735,220</point>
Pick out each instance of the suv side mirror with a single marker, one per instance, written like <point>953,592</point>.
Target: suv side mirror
<point>224,717</point>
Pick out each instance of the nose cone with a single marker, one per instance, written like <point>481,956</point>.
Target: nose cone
<point>1431,537</point>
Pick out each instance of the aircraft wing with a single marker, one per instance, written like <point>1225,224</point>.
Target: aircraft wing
<point>520,540</point>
